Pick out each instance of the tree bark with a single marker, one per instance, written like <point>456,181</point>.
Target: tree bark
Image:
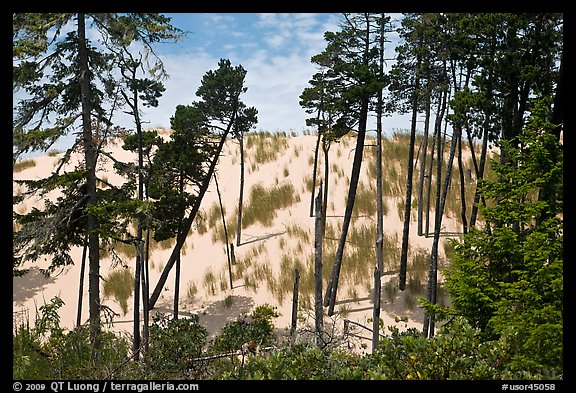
<point>462,187</point>
<point>423,164</point>
<point>325,148</point>
<point>440,203</point>
<point>408,200</point>
<point>295,301</point>
<point>225,231</point>
<point>315,169</point>
<point>90,161</point>
<point>81,286</point>
<point>379,205</point>
<point>354,178</point>
<point>318,241</point>
<point>241,195</point>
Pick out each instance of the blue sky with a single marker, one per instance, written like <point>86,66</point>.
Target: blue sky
<point>275,49</point>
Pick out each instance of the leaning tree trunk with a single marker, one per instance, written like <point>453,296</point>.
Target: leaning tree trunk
<point>331,290</point>
<point>182,235</point>
<point>225,230</point>
<point>379,207</point>
<point>435,139</point>
<point>423,164</point>
<point>408,200</point>
<point>379,235</point>
<point>145,293</point>
<point>139,254</point>
<point>428,328</point>
<point>179,257</point>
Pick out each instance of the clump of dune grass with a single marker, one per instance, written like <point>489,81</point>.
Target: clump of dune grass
<point>308,182</point>
<point>209,282</point>
<point>267,146</point>
<point>264,202</point>
<point>192,290</point>
<point>119,284</point>
<point>23,164</point>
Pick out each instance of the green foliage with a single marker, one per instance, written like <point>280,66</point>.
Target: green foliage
<point>56,228</point>
<point>458,351</point>
<point>47,351</point>
<point>509,281</point>
<point>302,362</point>
<point>178,350</point>
<point>174,343</point>
<point>258,327</point>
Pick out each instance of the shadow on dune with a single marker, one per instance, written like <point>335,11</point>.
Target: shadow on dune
<point>27,286</point>
<point>218,313</point>
<point>261,238</point>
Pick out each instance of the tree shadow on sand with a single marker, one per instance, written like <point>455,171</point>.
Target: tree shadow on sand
<point>218,313</point>
<point>262,238</point>
<point>27,286</point>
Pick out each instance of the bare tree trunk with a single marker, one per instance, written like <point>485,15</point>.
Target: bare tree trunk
<point>145,294</point>
<point>179,258</point>
<point>435,139</point>
<point>225,230</point>
<point>423,164</point>
<point>241,196</point>
<point>295,301</point>
<point>462,187</point>
<point>354,178</point>
<point>81,286</point>
<point>479,176</point>
<point>139,252</point>
<point>325,148</point>
<point>318,241</point>
<point>379,205</point>
<point>440,203</point>
<point>90,161</point>
<point>315,169</point>
<point>376,310</point>
<point>408,199</point>
<point>177,286</point>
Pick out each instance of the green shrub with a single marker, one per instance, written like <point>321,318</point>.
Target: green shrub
<point>175,344</point>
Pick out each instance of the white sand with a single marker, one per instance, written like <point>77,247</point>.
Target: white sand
<point>201,255</point>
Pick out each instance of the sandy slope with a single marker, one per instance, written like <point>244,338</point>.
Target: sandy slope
<point>202,256</point>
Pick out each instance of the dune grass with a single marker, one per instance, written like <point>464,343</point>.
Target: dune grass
<point>265,202</point>
<point>265,146</point>
<point>23,164</point>
<point>191,290</point>
<point>120,284</point>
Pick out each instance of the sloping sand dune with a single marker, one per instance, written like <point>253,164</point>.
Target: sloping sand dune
<point>264,257</point>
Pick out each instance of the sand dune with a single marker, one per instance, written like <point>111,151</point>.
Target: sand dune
<point>265,254</point>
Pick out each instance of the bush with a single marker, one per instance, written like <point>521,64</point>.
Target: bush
<point>174,346</point>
